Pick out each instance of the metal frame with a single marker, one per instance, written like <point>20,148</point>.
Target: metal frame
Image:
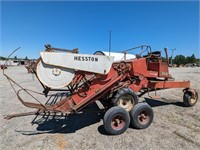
<point>140,74</point>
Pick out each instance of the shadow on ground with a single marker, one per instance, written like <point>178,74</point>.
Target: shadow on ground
<point>72,123</point>
<point>163,102</point>
<point>65,124</point>
<point>53,123</point>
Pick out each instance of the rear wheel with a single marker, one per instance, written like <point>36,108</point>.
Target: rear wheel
<point>190,100</point>
<point>116,120</point>
<point>125,98</point>
<point>141,116</point>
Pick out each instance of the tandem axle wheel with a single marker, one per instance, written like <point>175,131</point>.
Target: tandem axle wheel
<point>117,120</point>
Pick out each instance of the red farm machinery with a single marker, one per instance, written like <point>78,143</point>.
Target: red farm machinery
<point>116,83</point>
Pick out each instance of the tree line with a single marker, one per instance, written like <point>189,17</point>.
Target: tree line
<point>182,60</point>
<point>15,57</point>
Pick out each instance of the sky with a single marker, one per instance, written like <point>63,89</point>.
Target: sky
<point>86,25</point>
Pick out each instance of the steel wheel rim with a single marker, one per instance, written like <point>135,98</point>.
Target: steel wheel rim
<point>126,102</point>
<point>118,122</point>
<point>144,117</point>
<point>193,100</point>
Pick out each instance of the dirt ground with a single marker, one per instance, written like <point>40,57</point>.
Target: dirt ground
<point>174,126</point>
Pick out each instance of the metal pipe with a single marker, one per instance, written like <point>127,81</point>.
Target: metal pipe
<point>166,52</point>
<point>172,54</point>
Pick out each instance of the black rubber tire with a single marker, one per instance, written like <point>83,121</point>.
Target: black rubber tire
<point>111,117</point>
<point>135,114</point>
<point>126,92</point>
<point>99,53</point>
<point>187,99</point>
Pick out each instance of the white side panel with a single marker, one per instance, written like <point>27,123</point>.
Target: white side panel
<point>85,62</point>
<point>119,56</point>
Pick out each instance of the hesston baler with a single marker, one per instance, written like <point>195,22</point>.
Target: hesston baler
<point>116,84</point>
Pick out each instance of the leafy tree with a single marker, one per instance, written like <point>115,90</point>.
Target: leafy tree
<point>15,57</point>
<point>2,58</point>
<point>188,59</point>
<point>179,59</point>
<point>26,58</point>
<point>193,59</point>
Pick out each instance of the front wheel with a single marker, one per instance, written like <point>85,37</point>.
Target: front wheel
<point>116,120</point>
<point>190,98</point>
